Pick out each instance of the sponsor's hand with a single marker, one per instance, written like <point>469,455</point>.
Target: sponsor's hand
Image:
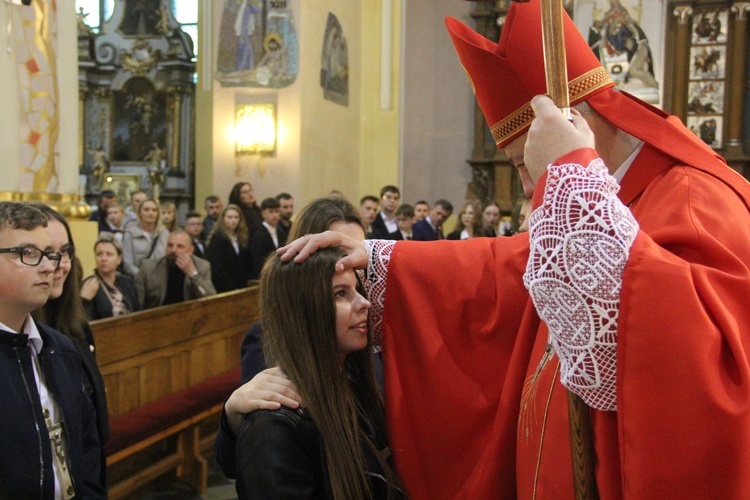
<point>268,390</point>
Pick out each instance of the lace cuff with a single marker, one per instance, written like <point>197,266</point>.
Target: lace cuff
<point>580,239</point>
<point>379,252</point>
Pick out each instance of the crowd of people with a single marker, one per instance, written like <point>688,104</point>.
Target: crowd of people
<point>145,258</point>
<point>141,264</point>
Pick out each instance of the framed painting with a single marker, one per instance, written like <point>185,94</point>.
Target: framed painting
<point>122,185</point>
<point>628,36</point>
<point>707,78</point>
<point>140,120</point>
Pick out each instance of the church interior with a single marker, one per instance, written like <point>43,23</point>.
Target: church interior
<point>184,99</point>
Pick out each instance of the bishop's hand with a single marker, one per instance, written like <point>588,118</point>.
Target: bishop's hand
<point>551,136</point>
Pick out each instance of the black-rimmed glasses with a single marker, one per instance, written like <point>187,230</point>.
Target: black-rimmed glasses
<point>32,256</point>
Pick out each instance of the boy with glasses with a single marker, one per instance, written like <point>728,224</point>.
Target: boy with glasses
<point>50,442</point>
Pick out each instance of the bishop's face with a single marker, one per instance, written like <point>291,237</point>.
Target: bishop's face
<point>514,152</point>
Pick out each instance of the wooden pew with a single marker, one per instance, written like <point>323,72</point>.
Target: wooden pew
<point>167,372</point>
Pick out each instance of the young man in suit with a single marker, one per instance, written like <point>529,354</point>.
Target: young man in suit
<point>51,446</point>
<point>268,237</point>
<point>431,227</point>
<point>194,227</point>
<point>385,221</point>
<point>405,221</point>
<point>286,210</point>
<point>176,277</point>
<point>106,198</point>
<point>421,209</point>
<point>213,206</point>
<point>368,209</point>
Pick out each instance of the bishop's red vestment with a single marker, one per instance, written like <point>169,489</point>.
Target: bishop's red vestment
<point>470,417</point>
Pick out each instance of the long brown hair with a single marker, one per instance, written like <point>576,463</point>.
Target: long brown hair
<point>319,214</point>
<point>476,224</point>
<point>298,311</point>
<point>65,313</point>
<point>241,232</point>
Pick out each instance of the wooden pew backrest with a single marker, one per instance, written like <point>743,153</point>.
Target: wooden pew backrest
<point>148,355</point>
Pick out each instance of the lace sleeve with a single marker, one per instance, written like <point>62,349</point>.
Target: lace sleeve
<point>580,239</point>
<point>379,252</point>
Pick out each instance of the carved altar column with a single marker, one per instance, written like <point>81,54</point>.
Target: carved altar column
<point>736,90</point>
<point>175,109</point>
<point>82,93</point>
<point>684,15</point>
<point>493,178</point>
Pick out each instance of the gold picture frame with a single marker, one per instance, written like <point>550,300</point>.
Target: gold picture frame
<point>122,185</point>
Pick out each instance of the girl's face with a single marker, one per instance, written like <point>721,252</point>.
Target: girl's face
<point>60,243</point>
<point>246,195</point>
<point>351,314</point>
<point>231,220</point>
<point>491,216</point>
<point>467,218</point>
<point>107,258</point>
<point>167,215</point>
<point>148,212</point>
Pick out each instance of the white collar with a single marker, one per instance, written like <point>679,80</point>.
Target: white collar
<point>623,169</point>
<point>30,329</point>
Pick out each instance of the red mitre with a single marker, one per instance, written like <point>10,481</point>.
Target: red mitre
<point>505,76</point>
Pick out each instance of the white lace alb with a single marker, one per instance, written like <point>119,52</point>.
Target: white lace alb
<point>580,239</point>
<point>379,252</point>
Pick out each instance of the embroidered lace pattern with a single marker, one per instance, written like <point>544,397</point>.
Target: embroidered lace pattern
<point>377,273</point>
<point>579,243</point>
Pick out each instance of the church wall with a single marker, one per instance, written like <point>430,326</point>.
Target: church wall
<point>438,106</point>
<point>269,175</point>
<point>330,138</point>
<point>321,145</point>
<point>381,96</point>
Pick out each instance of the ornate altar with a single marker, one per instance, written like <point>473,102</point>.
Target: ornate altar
<point>137,101</point>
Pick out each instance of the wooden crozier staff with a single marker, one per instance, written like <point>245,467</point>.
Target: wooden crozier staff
<point>556,74</point>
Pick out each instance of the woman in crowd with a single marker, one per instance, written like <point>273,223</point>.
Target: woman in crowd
<point>107,292</point>
<point>323,214</point>
<point>169,216</point>
<point>490,219</point>
<point>468,224</point>
<point>228,251</point>
<point>146,239</point>
<point>242,195</point>
<point>64,312</point>
<point>315,324</point>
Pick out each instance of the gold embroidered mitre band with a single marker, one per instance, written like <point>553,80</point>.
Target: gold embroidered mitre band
<point>507,75</point>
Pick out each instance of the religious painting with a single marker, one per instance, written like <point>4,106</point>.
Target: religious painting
<point>334,64</point>
<point>258,45</point>
<point>707,74</point>
<point>628,38</point>
<point>706,97</point>
<point>122,185</point>
<point>708,61</point>
<point>141,18</point>
<point>710,27</point>
<point>708,128</point>
<point>140,120</point>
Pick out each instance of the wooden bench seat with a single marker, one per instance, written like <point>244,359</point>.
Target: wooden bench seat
<point>167,372</point>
